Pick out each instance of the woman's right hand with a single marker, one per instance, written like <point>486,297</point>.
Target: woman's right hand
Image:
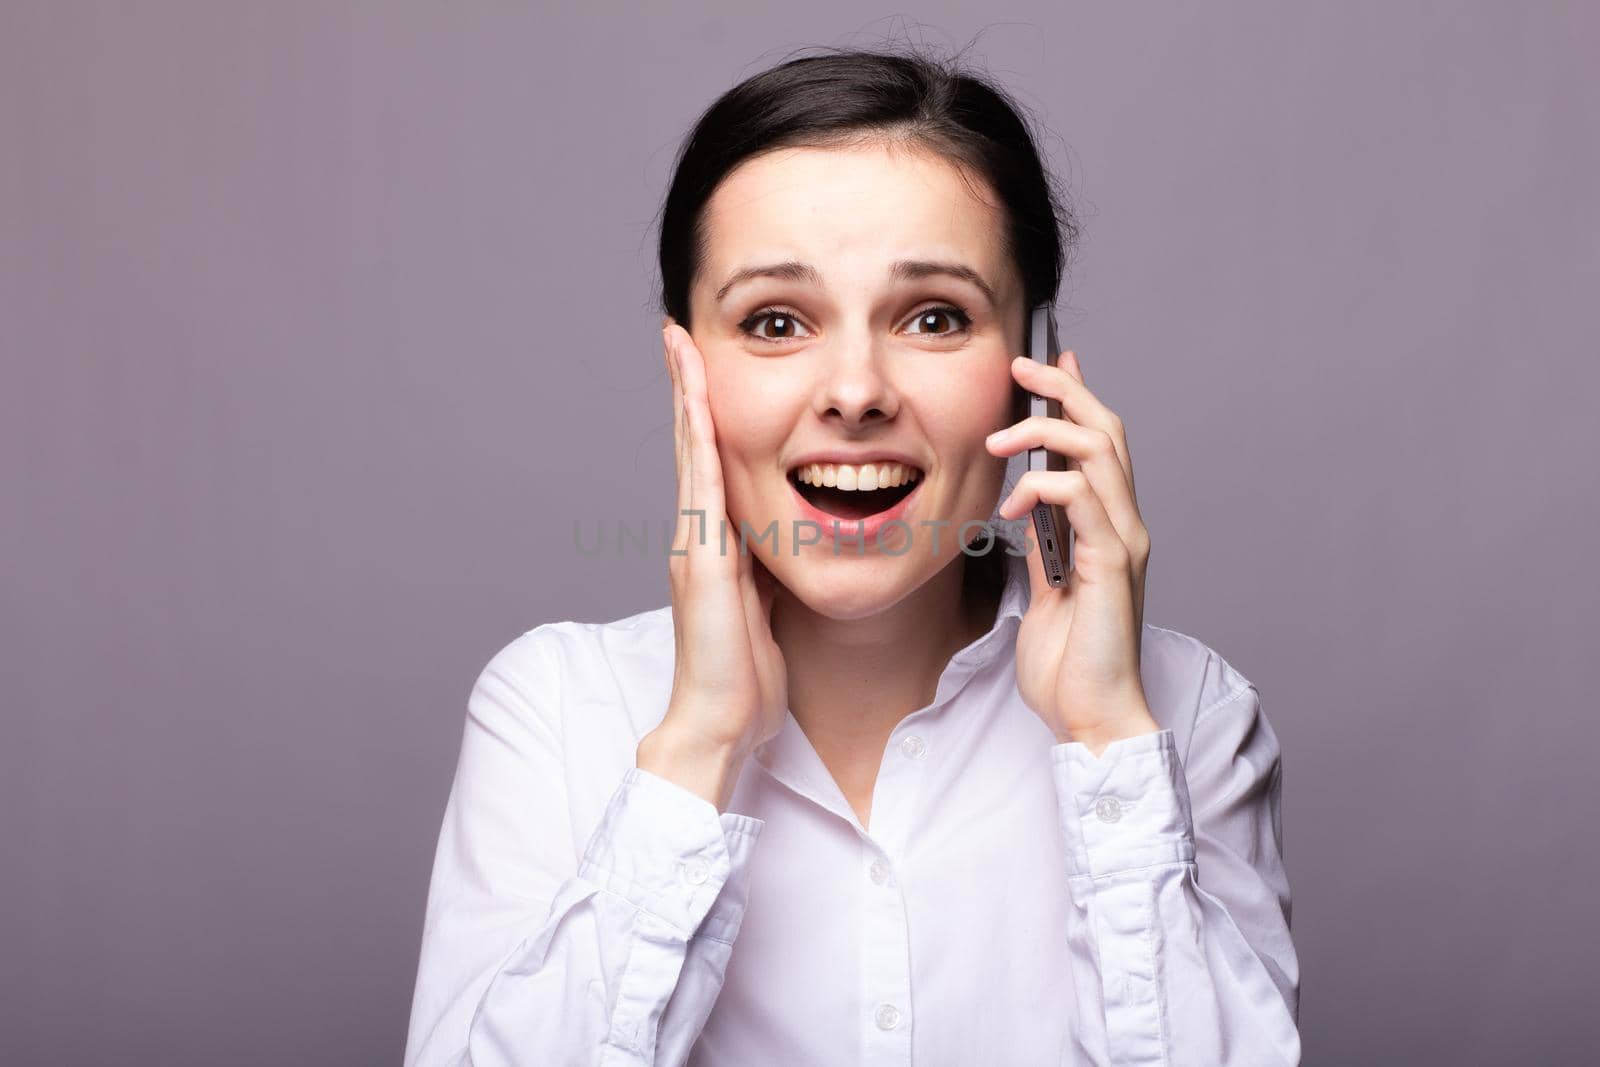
<point>729,686</point>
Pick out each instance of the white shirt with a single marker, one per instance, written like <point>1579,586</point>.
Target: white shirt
<point>1015,902</point>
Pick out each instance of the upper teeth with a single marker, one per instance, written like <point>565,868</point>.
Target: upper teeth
<point>850,476</point>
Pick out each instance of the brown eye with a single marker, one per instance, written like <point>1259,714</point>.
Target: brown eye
<point>783,325</point>
<point>930,319</point>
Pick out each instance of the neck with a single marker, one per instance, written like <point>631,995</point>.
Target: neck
<point>851,681</point>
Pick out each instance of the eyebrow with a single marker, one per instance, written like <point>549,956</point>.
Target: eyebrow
<point>903,270</point>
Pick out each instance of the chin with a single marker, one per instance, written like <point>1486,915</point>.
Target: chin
<point>847,586</point>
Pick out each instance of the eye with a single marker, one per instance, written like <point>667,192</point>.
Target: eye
<point>782,320</point>
<point>942,311</point>
<point>784,324</point>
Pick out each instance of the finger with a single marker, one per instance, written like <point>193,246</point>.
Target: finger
<point>680,440</point>
<point>1077,403</point>
<point>1098,550</point>
<point>684,524</point>
<point>1095,455</point>
<point>706,485</point>
<point>694,531</point>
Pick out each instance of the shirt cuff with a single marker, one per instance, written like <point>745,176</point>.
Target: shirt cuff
<point>740,832</point>
<point>1126,809</point>
<point>669,852</point>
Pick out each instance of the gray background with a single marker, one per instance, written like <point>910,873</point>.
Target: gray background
<point>322,323</point>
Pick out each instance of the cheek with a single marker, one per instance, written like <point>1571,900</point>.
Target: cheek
<point>970,408</point>
<point>733,403</point>
<point>752,419</point>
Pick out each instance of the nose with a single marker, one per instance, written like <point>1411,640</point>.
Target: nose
<point>855,390</point>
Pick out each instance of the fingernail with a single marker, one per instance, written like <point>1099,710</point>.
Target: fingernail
<point>998,436</point>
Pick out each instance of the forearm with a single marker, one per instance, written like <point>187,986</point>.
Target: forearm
<point>1176,974</point>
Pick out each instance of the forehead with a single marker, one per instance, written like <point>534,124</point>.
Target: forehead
<point>851,209</point>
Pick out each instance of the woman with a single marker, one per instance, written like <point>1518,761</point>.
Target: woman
<point>865,793</point>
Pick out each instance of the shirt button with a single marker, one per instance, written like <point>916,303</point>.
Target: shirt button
<point>880,871</point>
<point>695,872</point>
<point>1108,809</point>
<point>913,747</point>
<point>888,1016</point>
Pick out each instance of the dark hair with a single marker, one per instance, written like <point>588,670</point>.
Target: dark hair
<point>847,96</point>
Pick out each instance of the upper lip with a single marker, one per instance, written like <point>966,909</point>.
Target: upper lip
<point>855,459</point>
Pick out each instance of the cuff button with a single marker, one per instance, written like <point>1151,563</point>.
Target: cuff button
<point>695,872</point>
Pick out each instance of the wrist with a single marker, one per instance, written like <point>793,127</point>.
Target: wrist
<point>708,769</point>
<point>1098,737</point>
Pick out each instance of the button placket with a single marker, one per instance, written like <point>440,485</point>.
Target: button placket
<point>885,990</point>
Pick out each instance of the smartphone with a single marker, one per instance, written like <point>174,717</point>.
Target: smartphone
<point>1050,524</point>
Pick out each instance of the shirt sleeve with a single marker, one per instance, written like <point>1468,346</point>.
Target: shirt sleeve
<point>533,954</point>
<point>1183,948</point>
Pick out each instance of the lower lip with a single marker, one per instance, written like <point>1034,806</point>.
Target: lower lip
<point>854,531</point>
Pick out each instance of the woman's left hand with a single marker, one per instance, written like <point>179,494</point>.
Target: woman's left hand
<point>1079,644</point>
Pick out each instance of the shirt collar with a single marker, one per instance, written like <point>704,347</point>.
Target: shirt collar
<point>792,760</point>
<point>1018,592</point>
<point>1014,597</point>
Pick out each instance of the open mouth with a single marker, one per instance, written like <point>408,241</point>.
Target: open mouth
<point>850,491</point>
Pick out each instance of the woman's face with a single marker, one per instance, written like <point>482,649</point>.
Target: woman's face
<point>837,329</point>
